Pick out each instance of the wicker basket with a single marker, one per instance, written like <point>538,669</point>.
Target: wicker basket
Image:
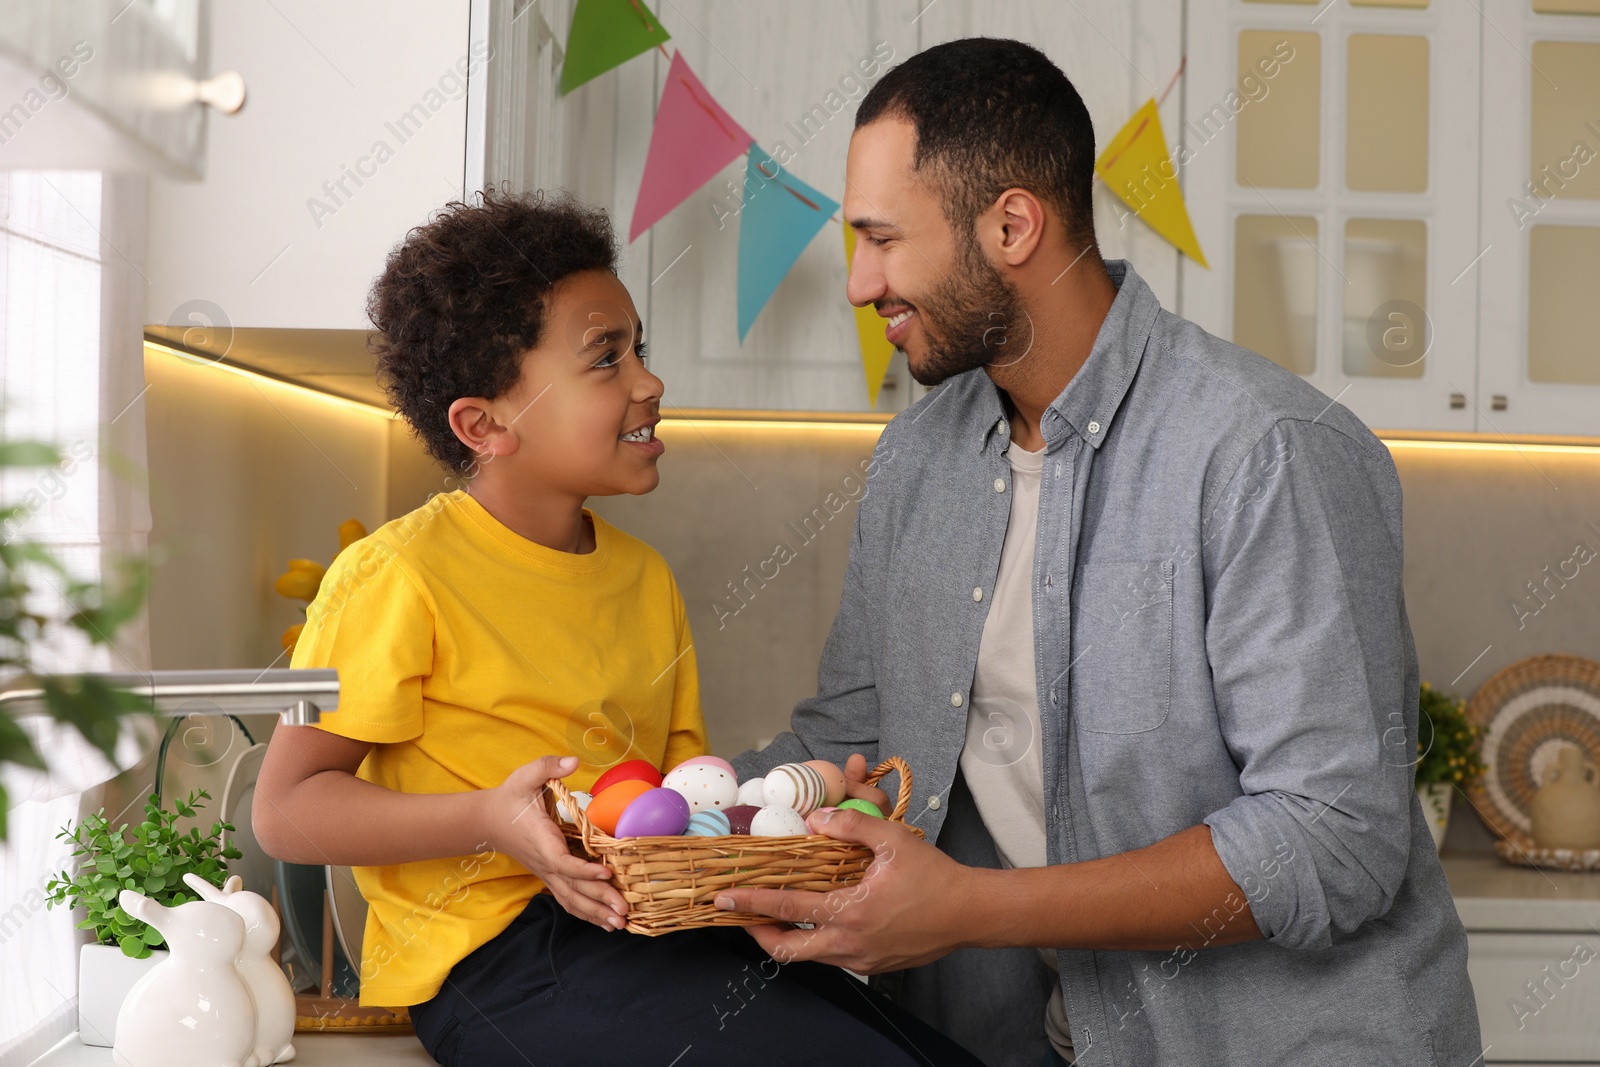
<point>671,882</point>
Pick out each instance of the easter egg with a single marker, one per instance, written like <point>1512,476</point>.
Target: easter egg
<point>714,761</point>
<point>739,817</point>
<point>867,806</point>
<point>703,785</point>
<point>777,821</point>
<point>609,803</point>
<point>795,786</point>
<point>582,800</point>
<point>659,812</point>
<point>709,823</point>
<point>750,792</point>
<point>627,770</point>
<point>832,779</point>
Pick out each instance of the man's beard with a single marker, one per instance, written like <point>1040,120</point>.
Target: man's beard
<point>967,321</point>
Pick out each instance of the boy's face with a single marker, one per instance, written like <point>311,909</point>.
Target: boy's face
<point>581,418</point>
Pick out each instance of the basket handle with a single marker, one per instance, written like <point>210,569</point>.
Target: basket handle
<point>903,801</point>
<point>556,790</point>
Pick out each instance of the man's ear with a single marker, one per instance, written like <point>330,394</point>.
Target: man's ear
<point>1014,225</point>
<point>474,425</point>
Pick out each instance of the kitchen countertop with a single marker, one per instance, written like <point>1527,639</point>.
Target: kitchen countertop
<point>1491,894</point>
<point>311,1050</point>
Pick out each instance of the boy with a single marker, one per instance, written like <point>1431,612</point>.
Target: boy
<point>501,620</point>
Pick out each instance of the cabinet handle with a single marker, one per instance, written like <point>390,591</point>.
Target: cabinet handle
<point>1457,401</point>
<point>1497,402</point>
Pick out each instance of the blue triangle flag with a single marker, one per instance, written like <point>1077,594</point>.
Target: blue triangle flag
<point>779,217</point>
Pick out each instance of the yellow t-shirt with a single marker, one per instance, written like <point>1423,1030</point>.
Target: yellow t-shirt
<point>465,650</point>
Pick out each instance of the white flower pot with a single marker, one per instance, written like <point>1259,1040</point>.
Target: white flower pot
<point>1435,797</point>
<point>105,976</point>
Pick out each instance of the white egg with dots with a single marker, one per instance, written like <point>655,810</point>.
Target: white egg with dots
<point>705,786</point>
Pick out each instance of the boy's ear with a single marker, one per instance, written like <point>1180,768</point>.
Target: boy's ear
<point>473,423</point>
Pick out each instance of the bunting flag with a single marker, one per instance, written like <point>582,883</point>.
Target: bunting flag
<point>1137,167</point>
<point>876,351</point>
<point>693,138</point>
<point>778,218</point>
<point>606,34</point>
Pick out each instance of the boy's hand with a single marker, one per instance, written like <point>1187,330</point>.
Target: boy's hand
<point>855,787</point>
<point>520,826</point>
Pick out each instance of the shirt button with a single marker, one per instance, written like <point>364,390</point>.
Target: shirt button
<point>955,698</point>
<point>977,593</point>
<point>933,802</point>
<point>1058,468</point>
<point>1049,580</point>
<point>1094,427</point>
<point>999,485</point>
<point>1003,426</point>
<point>1052,696</point>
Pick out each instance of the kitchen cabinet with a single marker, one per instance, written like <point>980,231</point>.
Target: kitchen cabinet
<point>1410,205</point>
<point>355,128</point>
<point>1533,952</point>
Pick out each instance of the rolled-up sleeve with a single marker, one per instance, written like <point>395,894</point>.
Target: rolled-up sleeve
<point>1314,675</point>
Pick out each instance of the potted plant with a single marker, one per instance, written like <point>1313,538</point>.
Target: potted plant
<point>154,863</point>
<point>1447,755</point>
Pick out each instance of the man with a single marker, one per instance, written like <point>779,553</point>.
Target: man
<point>1128,600</point>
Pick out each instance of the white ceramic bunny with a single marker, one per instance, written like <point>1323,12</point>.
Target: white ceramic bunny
<point>269,986</point>
<point>192,1009</point>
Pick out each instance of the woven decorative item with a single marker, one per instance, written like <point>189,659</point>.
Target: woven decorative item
<point>1532,709</point>
<point>671,882</point>
<point>1555,859</point>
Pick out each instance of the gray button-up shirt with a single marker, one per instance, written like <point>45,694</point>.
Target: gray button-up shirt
<point>1220,637</point>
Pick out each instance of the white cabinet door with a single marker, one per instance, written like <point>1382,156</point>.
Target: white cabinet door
<point>354,130</point>
<point>1540,353</point>
<point>1328,157</point>
<point>1538,995</point>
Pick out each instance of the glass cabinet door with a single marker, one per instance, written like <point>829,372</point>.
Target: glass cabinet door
<point>1333,154</point>
<point>1541,202</point>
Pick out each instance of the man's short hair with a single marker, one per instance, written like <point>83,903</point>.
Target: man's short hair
<point>991,115</point>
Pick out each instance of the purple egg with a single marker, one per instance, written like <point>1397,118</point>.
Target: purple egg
<point>739,817</point>
<point>715,761</point>
<point>657,813</point>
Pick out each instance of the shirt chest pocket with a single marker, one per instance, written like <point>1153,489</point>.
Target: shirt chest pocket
<point>1121,673</point>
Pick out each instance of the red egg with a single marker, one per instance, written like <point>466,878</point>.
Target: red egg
<point>609,804</point>
<point>637,770</point>
<point>739,817</point>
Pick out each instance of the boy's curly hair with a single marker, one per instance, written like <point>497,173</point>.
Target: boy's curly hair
<point>462,297</point>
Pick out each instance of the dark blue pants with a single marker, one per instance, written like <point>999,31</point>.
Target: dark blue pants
<point>552,990</point>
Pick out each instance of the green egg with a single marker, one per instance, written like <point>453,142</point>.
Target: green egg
<point>862,805</point>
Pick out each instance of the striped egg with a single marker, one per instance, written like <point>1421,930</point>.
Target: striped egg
<point>796,786</point>
<point>708,823</point>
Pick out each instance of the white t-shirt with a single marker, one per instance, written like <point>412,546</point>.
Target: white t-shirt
<point>1002,759</point>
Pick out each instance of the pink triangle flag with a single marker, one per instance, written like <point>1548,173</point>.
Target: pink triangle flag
<point>692,140</point>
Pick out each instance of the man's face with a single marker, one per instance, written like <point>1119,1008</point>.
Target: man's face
<point>947,308</point>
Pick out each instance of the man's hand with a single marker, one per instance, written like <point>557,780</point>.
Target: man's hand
<point>519,825</point>
<point>855,787</point>
<point>907,911</point>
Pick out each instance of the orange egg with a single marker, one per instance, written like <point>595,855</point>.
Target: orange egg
<point>832,779</point>
<point>608,804</point>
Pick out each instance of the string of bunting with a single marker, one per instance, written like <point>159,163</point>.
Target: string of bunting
<point>694,138</point>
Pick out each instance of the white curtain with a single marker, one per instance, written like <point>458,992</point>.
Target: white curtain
<point>72,373</point>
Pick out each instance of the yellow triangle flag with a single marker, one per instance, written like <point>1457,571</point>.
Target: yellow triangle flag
<point>876,351</point>
<point>1137,167</point>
